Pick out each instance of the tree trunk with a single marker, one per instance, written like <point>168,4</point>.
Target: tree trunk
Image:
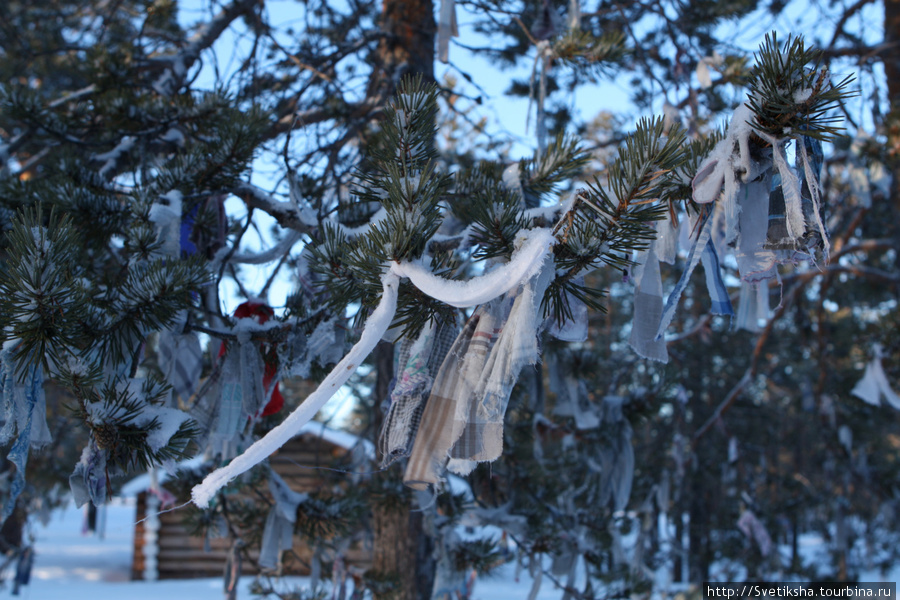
<point>402,562</point>
<point>397,532</point>
<point>402,550</point>
<point>698,530</point>
<point>11,532</point>
<point>892,73</point>
<point>406,48</point>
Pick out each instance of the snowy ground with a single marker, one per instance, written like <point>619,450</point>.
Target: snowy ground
<point>72,566</point>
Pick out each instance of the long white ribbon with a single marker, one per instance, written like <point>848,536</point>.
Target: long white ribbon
<point>534,246</point>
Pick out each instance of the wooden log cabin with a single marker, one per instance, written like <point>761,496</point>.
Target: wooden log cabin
<point>181,555</point>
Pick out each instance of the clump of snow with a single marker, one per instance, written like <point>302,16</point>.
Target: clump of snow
<point>306,213</point>
<point>111,158</point>
<point>166,217</point>
<point>173,135</point>
<point>353,232</point>
<point>169,421</point>
<point>802,95</point>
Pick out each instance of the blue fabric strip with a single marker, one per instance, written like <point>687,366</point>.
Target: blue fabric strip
<point>188,247</point>
<point>703,238</point>
<point>721,302</point>
<point>18,455</point>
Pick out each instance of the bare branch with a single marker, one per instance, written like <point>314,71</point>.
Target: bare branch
<point>180,63</point>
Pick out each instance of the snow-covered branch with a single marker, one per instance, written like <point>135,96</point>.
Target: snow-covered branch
<point>287,214</point>
<point>272,254</point>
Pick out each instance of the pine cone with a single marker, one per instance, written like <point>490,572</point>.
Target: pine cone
<point>106,435</point>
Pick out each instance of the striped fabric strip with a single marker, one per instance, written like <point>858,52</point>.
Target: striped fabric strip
<point>468,438</point>
<point>721,302</point>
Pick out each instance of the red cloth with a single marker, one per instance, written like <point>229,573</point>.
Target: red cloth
<point>262,313</point>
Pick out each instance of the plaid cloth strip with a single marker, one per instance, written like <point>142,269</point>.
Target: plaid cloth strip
<point>467,441</point>
<point>516,346</point>
<point>420,360</point>
<point>181,359</point>
<point>434,437</point>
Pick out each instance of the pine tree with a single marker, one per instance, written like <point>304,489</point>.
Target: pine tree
<point>120,231</point>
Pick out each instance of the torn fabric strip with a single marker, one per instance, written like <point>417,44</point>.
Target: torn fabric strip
<point>230,415</point>
<point>25,401</point>
<point>418,364</point>
<point>447,28</point>
<point>576,328</point>
<point>666,245</point>
<point>517,346</point>
<point>721,302</point>
<point>278,534</point>
<point>809,159</point>
<point>435,437</point>
<point>571,393</point>
<point>755,261</point>
<point>648,307</point>
<point>181,360</point>
<point>874,383</point>
<point>692,260</point>
<point>748,307</point>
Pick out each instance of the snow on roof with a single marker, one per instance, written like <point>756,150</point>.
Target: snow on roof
<point>342,439</point>
<point>141,483</point>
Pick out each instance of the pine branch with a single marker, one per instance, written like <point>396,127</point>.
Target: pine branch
<point>41,299</point>
<point>605,227</point>
<point>560,162</point>
<point>589,54</point>
<point>788,96</point>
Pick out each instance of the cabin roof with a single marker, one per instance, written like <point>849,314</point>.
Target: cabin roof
<point>341,439</point>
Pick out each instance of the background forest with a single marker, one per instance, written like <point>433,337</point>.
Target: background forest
<point>206,206</point>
